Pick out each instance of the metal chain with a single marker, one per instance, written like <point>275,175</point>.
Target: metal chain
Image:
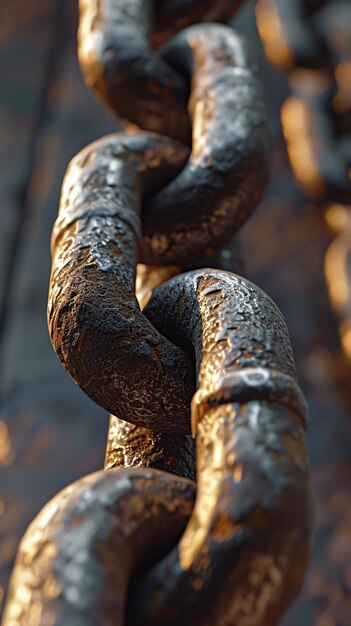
<point>207,352</point>
<point>311,40</point>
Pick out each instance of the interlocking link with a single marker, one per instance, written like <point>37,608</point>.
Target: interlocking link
<point>204,350</point>
<point>225,175</point>
<point>75,560</point>
<point>252,520</point>
<point>170,16</point>
<point>130,445</point>
<point>117,60</point>
<point>95,250</point>
<point>105,343</point>
<point>249,533</point>
<point>118,63</point>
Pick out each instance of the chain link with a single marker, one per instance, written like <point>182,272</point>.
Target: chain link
<point>116,41</point>
<point>209,352</point>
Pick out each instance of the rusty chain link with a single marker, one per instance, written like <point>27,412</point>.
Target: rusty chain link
<point>205,351</point>
<point>117,60</point>
<point>311,40</point>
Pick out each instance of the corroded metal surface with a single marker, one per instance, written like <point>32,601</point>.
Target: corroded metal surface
<point>118,62</point>
<point>252,522</point>
<point>248,415</point>
<point>226,172</point>
<point>76,558</point>
<point>95,251</point>
<point>96,326</point>
<point>170,16</point>
<point>129,445</point>
<point>50,432</point>
<point>227,169</point>
<point>245,372</point>
<point>251,525</point>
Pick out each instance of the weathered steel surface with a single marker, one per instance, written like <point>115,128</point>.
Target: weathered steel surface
<point>249,533</point>
<point>227,169</point>
<point>97,329</point>
<point>244,365</point>
<point>76,558</point>
<point>170,16</point>
<point>252,515</point>
<point>129,445</point>
<point>118,62</point>
<point>225,175</point>
<point>51,434</point>
<point>98,237</point>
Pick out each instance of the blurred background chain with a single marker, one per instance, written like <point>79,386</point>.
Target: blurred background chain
<point>311,40</point>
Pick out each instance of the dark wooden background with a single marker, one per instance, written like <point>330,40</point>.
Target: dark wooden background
<point>50,433</point>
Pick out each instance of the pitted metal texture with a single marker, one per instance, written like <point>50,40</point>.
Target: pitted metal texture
<point>104,343</point>
<point>171,16</point>
<point>76,559</point>
<point>243,554</point>
<point>98,331</point>
<point>130,445</point>
<point>96,326</point>
<point>251,525</point>
<point>206,351</point>
<point>224,177</point>
<point>227,168</point>
<point>249,533</point>
<point>225,117</point>
<point>115,40</point>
